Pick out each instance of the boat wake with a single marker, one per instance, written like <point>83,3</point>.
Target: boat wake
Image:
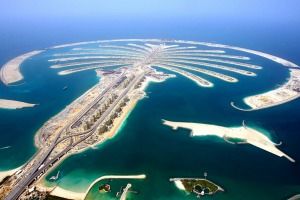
<point>5,147</point>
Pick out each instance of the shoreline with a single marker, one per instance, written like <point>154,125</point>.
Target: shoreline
<point>10,71</point>
<point>37,134</point>
<point>258,53</point>
<point>249,135</point>
<point>12,104</point>
<point>4,174</point>
<point>118,122</point>
<point>281,95</point>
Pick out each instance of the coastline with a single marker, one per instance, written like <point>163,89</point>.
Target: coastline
<point>10,71</point>
<point>141,176</point>
<point>12,104</point>
<point>36,140</point>
<point>285,93</point>
<point>179,185</point>
<point>265,55</point>
<point>244,133</point>
<point>60,192</point>
<point>4,174</point>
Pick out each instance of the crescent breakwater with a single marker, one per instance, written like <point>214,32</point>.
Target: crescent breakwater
<point>173,54</point>
<point>95,116</point>
<point>10,72</point>
<point>87,121</point>
<point>283,94</point>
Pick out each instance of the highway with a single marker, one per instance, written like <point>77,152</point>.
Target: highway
<point>35,172</point>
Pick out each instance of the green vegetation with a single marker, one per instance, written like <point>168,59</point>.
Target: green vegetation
<point>190,184</point>
<point>104,188</point>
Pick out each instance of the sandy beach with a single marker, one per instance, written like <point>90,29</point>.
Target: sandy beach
<point>141,176</point>
<point>278,96</point>
<point>10,72</point>
<point>59,192</point>
<point>3,174</point>
<point>179,185</point>
<point>11,104</point>
<point>249,135</point>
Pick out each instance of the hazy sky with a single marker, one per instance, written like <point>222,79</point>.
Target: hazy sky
<point>42,23</point>
<point>281,10</point>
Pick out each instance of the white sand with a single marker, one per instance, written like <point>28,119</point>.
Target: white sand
<point>251,136</point>
<point>123,196</point>
<point>11,104</point>
<point>142,176</point>
<point>200,81</point>
<point>10,72</point>
<point>274,97</point>
<point>179,185</point>
<point>3,174</point>
<point>59,192</point>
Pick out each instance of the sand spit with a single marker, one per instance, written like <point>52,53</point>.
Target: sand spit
<point>11,104</point>
<point>247,134</point>
<point>10,72</point>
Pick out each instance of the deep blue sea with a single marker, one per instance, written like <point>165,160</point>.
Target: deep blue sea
<point>144,145</point>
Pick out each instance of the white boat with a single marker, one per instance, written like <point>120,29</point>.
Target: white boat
<point>55,177</point>
<point>5,147</point>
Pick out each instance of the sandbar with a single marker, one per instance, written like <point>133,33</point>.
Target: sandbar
<point>11,104</point>
<point>247,134</point>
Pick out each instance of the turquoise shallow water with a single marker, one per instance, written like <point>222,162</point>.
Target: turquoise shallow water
<point>145,146</point>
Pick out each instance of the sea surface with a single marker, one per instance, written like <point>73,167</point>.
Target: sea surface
<point>143,145</point>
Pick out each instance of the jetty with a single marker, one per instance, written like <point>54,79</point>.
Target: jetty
<point>141,176</point>
<point>55,177</point>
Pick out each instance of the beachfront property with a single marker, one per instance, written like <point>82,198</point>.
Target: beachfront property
<point>97,114</point>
